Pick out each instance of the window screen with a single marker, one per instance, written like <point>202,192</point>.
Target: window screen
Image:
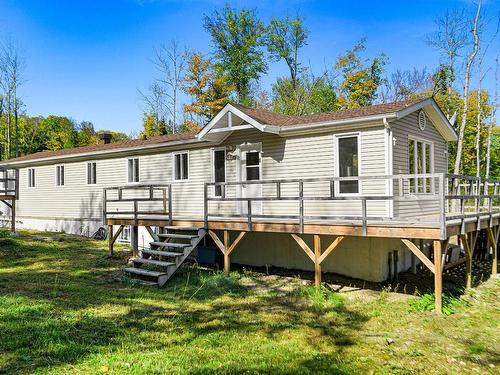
<point>133,170</point>
<point>219,170</point>
<point>348,164</point>
<point>181,167</point>
<point>91,173</point>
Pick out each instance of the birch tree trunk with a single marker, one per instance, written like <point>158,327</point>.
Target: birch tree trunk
<point>492,122</point>
<point>468,68</point>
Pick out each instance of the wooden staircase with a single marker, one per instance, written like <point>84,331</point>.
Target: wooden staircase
<point>167,252</point>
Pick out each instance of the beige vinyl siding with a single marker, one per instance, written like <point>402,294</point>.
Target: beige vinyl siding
<point>282,158</point>
<point>403,130</point>
<point>307,157</point>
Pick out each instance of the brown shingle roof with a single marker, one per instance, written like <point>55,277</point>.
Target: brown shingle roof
<point>270,118</point>
<point>109,146</point>
<point>263,116</point>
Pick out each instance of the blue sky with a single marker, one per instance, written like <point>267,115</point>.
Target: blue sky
<point>87,59</point>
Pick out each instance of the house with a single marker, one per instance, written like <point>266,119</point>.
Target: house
<point>371,181</point>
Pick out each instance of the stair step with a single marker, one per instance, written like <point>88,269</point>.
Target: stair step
<point>169,244</point>
<point>175,235</point>
<point>162,253</point>
<point>152,261</point>
<point>143,272</point>
<point>183,228</point>
<point>145,282</point>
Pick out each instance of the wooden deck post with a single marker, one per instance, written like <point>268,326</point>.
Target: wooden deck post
<point>13,215</point>
<point>317,257</point>
<point>438,277</point>
<point>469,242</point>
<point>226,248</point>
<point>317,264</point>
<point>110,239</point>
<point>493,241</point>
<point>134,239</point>
<point>227,259</point>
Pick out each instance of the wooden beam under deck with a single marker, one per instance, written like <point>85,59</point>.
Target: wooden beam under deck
<point>385,231</point>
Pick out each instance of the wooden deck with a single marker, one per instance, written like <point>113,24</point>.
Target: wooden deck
<point>464,207</point>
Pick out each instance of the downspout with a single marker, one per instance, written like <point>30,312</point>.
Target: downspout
<point>389,170</point>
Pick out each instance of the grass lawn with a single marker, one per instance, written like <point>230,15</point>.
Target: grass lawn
<point>65,308</point>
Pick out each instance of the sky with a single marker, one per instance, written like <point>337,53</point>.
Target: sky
<point>88,59</point>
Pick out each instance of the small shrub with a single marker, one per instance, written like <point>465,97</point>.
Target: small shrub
<point>426,303</point>
<point>320,299</point>
<point>476,349</point>
<point>4,233</point>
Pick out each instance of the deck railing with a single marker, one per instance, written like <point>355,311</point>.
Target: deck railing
<point>426,199</point>
<point>127,202</point>
<point>9,182</point>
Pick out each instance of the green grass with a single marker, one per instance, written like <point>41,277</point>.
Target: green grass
<point>66,308</point>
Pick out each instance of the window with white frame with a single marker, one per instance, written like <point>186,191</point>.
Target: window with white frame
<point>31,177</point>
<point>219,172</point>
<point>420,161</point>
<point>60,175</point>
<point>181,166</point>
<point>133,170</point>
<point>91,173</point>
<point>348,163</point>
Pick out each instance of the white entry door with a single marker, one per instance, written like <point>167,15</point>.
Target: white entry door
<point>250,169</point>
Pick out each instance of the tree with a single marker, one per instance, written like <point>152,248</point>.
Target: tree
<point>237,37</point>
<point>468,67</point>
<point>311,95</point>
<point>406,84</point>
<point>154,110</point>
<point>171,64</point>
<point>58,132</point>
<point>491,127</point>
<point>284,39</point>
<point>86,134</point>
<point>449,39</point>
<point>207,86</point>
<point>360,81</point>
<point>12,64</point>
<point>152,127</point>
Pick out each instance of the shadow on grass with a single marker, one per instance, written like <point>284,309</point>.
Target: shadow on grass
<point>62,302</point>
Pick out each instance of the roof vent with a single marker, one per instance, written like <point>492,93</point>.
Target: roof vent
<point>105,138</point>
<point>422,120</point>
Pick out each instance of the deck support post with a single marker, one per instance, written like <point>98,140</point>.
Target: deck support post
<point>493,241</point>
<point>469,243</point>
<point>227,259</point>
<point>110,240</point>
<point>227,247</point>
<point>317,264</point>
<point>317,257</point>
<point>13,216</point>
<point>134,240</point>
<point>438,276</point>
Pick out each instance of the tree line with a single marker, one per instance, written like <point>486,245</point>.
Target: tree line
<point>190,87</point>
<point>243,47</point>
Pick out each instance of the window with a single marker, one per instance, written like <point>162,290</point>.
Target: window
<point>133,170</point>
<point>181,168</point>
<point>60,175</point>
<point>219,157</point>
<point>420,162</point>
<point>253,165</point>
<point>91,173</point>
<point>31,177</point>
<point>125,234</point>
<point>348,163</point>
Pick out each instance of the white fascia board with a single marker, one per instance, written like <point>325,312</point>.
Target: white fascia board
<point>118,151</point>
<point>237,112</point>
